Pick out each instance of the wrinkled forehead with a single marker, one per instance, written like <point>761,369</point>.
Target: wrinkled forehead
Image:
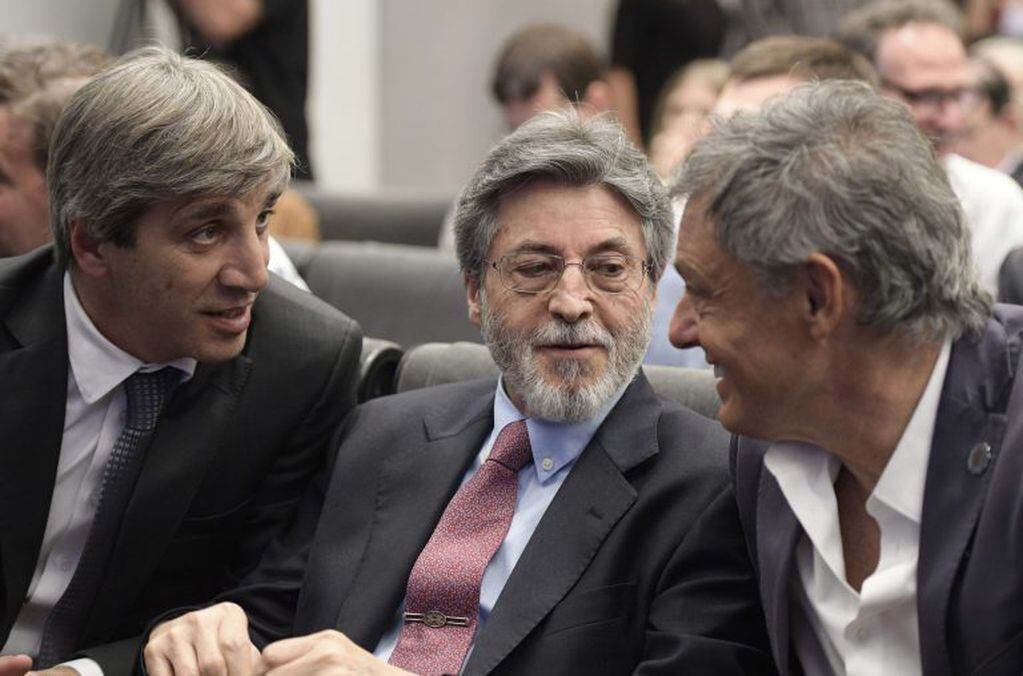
<point>567,220</point>
<point>922,56</point>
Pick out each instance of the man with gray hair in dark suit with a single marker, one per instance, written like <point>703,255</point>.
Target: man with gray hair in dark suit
<point>148,455</point>
<point>829,279</point>
<point>562,519</point>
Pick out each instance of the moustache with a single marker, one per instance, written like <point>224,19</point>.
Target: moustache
<point>563,334</point>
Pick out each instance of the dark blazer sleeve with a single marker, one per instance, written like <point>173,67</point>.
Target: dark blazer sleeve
<point>306,452</point>
<point>706,617</point>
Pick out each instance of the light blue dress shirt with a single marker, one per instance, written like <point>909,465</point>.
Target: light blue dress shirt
<point>556,446</point>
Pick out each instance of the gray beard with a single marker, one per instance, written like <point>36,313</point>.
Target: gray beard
<point>569,400</point>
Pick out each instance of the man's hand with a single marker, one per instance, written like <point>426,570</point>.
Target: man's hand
<point>15,665</point>
<point>210,642</point>
<point>327,653</point>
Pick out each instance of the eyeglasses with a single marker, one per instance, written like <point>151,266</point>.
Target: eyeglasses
<point>934,99</point>
<point>540,272</point>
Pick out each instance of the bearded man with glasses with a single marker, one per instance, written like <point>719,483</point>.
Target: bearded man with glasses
<point>564,519</point>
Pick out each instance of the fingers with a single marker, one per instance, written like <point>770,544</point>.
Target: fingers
<point>210,642</point>
<point>15,665</point>
<point>324,653</point>
<point>291,649</point>
<point>319,652</point>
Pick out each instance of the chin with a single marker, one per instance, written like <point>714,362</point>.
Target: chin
<point>219,350</point>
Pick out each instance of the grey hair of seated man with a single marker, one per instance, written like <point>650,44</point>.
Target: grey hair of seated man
<point>157,127</point>
<point>564,147</point>
<point>837,169</point>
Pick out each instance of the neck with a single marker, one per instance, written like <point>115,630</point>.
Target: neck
<point>873,390</point>
<point>100,310</point>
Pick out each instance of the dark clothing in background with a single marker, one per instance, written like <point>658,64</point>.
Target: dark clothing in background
<point>654,38</point>
<point>272,60</point>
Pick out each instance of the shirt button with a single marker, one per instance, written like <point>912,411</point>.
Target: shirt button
<point>65,563</point>
<point>547,464</point>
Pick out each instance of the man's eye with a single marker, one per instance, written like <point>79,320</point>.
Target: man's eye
<point>205,235</point>
<point>263,220</point>
<point>607,267</point>
<point>533,268</point>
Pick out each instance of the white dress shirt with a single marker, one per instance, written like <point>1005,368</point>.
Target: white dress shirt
<point>93,419</point>
<point>555,446</point>
<point>282,264</point>
<point>993,205</point>
<point>876,630</point>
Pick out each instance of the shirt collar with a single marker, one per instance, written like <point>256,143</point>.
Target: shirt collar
<point>98,365</point>
<point>554,444</point>
<point>806,473</point>
<point>901,485</point>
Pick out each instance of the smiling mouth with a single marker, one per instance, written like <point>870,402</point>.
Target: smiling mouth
<point>231,320</point>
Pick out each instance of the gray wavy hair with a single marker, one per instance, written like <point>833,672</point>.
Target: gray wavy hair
<point>155,127</point>
<point>563,147</point>
<point>834,168</point>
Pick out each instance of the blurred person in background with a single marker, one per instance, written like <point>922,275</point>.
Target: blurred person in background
<point>916,48</point>
<point>37,78</point>
<point>651,40</point>
<point>993,134</point>
<point>681,112</point>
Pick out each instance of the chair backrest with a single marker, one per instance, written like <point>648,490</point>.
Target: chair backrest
<point>378,368</point>
<point>439,363</point>
<point>1010,278</point>
<point>395,217</point>
<point>405,294</point>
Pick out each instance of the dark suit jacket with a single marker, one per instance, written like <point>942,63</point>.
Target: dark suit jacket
<point>231,457</point>
<point>970,571</point>
<point>638,565</point>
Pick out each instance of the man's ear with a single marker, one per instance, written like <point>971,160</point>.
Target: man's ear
<point>826,293</point>
<point>86,250</point>
<point>472,296</point>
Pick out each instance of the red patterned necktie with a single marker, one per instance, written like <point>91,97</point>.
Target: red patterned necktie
<point>443,595</point>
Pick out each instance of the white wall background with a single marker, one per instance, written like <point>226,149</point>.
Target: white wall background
<point>399,88</point>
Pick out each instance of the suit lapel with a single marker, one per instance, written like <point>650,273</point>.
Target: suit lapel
<point>777,533</point>
<point>186,441</point>
<point>971,412</point>
<point>34,378</point>
<point>591,501</point>
<point>415,487</point>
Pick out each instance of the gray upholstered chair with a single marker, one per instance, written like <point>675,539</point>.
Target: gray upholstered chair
<point>378,367</point>
<point>405,294</point>
<point>1010,278</point>
<point>395,217</point>
<point>438,363</point>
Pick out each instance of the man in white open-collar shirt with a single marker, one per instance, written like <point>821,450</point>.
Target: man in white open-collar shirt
<point>829,279</point>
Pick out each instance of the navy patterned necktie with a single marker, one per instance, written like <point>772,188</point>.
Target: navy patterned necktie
<point>145,396</point>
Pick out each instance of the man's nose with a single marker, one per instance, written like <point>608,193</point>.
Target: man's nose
<point>571,299</point>
<point>682,331</point>
<point>245,267</point>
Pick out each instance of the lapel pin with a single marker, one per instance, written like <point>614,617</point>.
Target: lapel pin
<point>979,458</point>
